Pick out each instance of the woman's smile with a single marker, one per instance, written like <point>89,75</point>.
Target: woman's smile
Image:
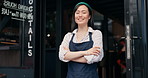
<point>80,19</point>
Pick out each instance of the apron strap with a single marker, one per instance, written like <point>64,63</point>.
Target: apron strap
<point>72,36</point>
<point>90,36</point>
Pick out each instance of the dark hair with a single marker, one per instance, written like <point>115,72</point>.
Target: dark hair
<point>90,22</point>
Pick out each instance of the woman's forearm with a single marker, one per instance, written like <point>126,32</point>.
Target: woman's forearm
<point>74,55</point>
<point>80,60</point>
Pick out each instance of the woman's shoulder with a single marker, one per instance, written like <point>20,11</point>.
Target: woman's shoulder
<point>94,30</point>
<point>97,32</point>
<point>67,35</point>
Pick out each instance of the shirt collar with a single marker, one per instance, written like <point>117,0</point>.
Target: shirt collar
<point>89,30</point>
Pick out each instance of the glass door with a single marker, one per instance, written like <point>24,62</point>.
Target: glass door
<point>136,38</point>
<point>50,38</point>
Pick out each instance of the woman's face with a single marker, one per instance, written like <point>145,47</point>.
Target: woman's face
<point>82,15</point>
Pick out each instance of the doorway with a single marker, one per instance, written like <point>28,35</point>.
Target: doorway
<point>110,19</point>
<point>57,24</point>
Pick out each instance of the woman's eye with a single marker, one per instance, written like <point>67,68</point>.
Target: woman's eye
<point>84,12</point>
<point>77,12</point>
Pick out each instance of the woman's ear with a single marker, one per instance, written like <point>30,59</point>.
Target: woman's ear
<point>89,16</point>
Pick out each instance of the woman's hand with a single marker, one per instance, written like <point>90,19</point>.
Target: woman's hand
<point>93,51</point>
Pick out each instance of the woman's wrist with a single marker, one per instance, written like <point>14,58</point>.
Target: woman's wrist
<point>84,53</point>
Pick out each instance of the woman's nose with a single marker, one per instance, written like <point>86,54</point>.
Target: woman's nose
<point>80,14</point>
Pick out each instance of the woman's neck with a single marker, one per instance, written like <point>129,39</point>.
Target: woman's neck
<point>82,29</point>
<point>81,33</point>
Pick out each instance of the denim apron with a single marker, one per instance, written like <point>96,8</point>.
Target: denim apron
<point>81,70</point>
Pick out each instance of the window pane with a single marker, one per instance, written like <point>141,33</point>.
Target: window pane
<point>9,37</point>
<point>50,29</point>
<point>16,33</point>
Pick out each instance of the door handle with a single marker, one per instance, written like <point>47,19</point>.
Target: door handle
<point>136,37</point>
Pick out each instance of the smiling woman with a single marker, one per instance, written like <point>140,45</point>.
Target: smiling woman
<point>82,48</point>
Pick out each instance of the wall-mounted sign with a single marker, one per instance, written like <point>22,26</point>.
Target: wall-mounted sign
<point>30,32</point>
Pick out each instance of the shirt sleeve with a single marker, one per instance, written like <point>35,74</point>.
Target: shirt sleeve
<point>97,39</point>
<point>65,43</point>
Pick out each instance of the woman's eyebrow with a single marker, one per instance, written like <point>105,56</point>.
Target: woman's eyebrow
<point>81,10</point>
